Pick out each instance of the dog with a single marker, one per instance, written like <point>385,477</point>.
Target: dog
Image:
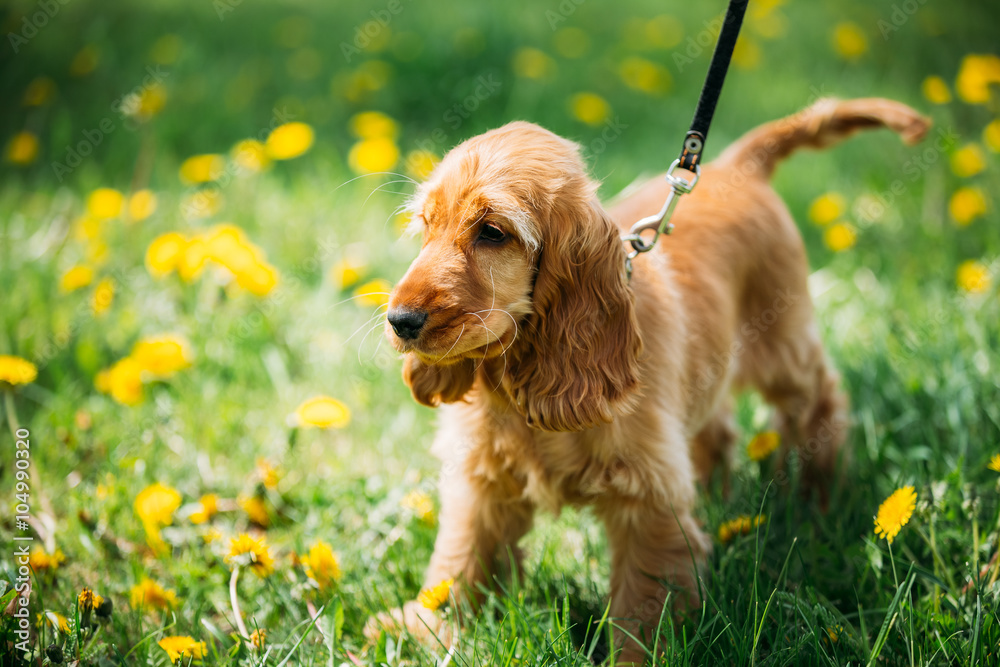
<point>563,380</point>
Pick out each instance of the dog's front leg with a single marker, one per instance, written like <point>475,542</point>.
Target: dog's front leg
<point>482,519</point>
<point>650,544</point>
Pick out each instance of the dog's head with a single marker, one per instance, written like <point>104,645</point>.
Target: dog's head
<point>518,260</point>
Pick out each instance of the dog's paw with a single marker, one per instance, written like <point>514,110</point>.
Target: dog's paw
<point>421,623</point>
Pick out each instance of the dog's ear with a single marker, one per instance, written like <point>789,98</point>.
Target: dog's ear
<point>433,385</point>
<point>579,363</point>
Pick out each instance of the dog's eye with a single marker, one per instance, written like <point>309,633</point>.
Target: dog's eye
<point>491,233</point>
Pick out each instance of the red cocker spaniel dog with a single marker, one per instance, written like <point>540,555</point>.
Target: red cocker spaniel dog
<point>561,380</point>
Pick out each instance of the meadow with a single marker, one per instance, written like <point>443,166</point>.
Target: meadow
<point>198,230</point>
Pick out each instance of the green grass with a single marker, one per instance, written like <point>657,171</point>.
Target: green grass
<point>919,356</point>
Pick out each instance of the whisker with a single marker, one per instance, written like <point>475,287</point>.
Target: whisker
<point>363,325</point>
<point>474,222</point>
<point>501,310</point>
<point>379,189</point>
<point>396,211</point>
<point>362,343</point>
<point>358,296</point>
<point>494,286</point>
<point>378,173</point>
<point>377,348</point>
<point>452,345</point>
<point>483,325</point>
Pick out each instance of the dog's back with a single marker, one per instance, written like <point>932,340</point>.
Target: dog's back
<point>740,264</point>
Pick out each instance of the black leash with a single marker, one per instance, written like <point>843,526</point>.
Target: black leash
<point>694,140</point>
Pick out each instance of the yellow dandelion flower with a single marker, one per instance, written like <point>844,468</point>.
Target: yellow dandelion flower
<point>208,506</point>
<point>202,168</point>
<point>164,254</point>
<point>321,565</point>
<point>373,125</point>
<point>421,505</point>
<point>269,475</point>
<point>839,237</point>
<point>22,148</point>
<point>589,108</point>
<point>289,141</point>
<point>977,76</point>
<point>105,203</point>
<point>226,244</point>
<point>259,279</point>
<point>258,638</point>
<point>531,63</point>
<point>103,297</point>
<point>212,535</point>
<point>420,163</point>
<point>973,276</point>
<point>141,205</point>
<point>123,380</point>
<point>936,90</point>
<point>994,463</point>
<point>250,155</point>
<point>741,525</point>
<point>86,228</point>
<point>151,595</point>
<point>249,552</point>
<point>434,597</point>
<point>826,208</point>
<point>55,620</point>
<point>968,161</point>
<point>401,221</point>
<point>39,92</point>
<point>256,510</point>
<point>85,61</point>
<point>347,272</point>
<point>369,77</point>
<point>966,205</point>
<point>41,561</point>
<point>571,42</point>
<point>371,156</point>
<point>192,261</point>
<point>75,278</point>
<point>162,355</point>
<point>895,512</point>
<point>178,647</point>
<point>322,412</point>
<point>373,293</point>
<point>747,54</point>
<point>156,504</point>
<point>89,600</point>
<point>849,41</point>
<point>151,101</point>
<point>645,76</point>
<point>201,204</point>
<point>15,370</point>
<point>762,445</point>
<point>991,136</point>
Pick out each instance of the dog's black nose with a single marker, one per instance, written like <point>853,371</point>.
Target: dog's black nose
<point>407,323</point>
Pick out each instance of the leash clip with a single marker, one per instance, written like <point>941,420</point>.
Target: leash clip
<point>659,222</point>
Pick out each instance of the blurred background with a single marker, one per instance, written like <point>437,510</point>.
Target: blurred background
<point>198,229</point>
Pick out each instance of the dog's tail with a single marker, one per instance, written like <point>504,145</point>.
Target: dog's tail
<point>824,123</point>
